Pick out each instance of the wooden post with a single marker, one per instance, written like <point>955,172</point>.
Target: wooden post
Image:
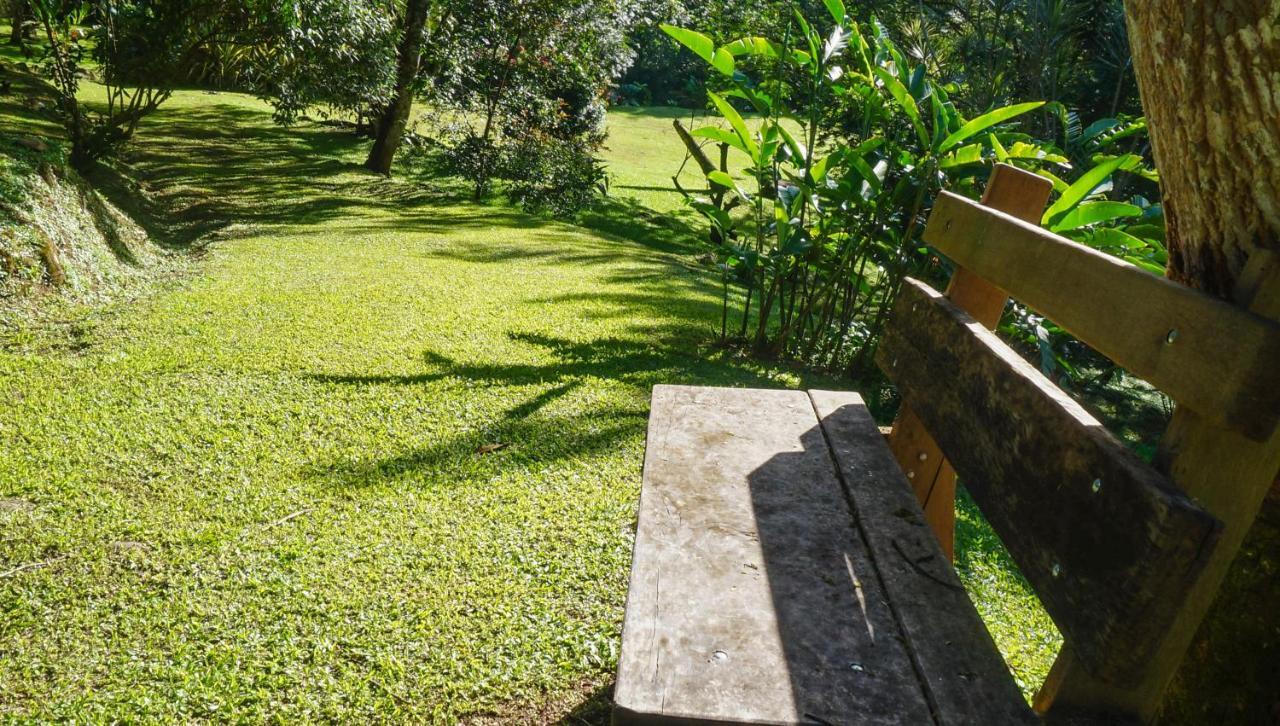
<point>1020,194</point>
<point>1230,475</point>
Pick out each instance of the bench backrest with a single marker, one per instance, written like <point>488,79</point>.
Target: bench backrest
<point>1110,544</point>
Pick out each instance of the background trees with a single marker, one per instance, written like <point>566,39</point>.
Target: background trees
<point>337,56</point>
<point>527,90</point>
<point>136,49</point>
<point>995,51</point>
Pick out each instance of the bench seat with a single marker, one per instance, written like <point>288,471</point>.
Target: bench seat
<point>783,573</point>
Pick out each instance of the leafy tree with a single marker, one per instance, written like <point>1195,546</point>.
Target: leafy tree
<point>531,70</point>
<point>136,46</point>
<point>338,54</point>
<point>394,116</point>
<point>852,143</point>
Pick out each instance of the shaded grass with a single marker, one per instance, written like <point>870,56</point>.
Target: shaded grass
<point>260,496</point>
<point>378,460</point>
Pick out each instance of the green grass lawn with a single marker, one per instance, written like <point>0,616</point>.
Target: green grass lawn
<point>376,459</point>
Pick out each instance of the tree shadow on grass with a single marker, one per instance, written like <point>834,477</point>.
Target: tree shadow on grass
<point>594,710</point>
<point>30,105</point>
<point>625,219</point>
<point>196,171</point>
<point>509,443</point>
<point>531,431</point>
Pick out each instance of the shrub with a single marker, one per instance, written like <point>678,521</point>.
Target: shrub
<point>850,145</point>
<point>561,176</point>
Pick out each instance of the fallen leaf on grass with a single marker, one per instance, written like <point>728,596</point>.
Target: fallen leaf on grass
<point>490,448</point>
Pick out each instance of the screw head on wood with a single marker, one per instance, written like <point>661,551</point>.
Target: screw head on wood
<point>923,456</point>
<point>911,475</point>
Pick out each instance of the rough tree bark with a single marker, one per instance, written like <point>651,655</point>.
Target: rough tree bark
<point>1209,73</point>
<point>395,117</point>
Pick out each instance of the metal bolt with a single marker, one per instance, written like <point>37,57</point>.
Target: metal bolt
<point>1057,570</point>
<point>1172,336</point>
<point>1097,486</point>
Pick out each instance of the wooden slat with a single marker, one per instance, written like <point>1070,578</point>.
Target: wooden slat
<point>1110,546</point>
<point>752,597</point>
<point>1229,475</point>
<point>965,676</point>
<point>1166,333</point>
<point>1020,194</point>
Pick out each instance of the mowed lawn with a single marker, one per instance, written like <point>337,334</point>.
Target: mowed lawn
<point>375,459</point>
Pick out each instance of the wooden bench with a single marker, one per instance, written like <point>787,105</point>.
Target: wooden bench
<point>791,566</point>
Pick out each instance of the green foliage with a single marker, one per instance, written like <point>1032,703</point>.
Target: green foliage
<point>663,74</point>
<point>849,145</point>
<point>526,83</point>
<point>850,141</point>
<point>134,47</point>
<point>991,51</point>
<point>337,54</point>
<point>1101,210</point>
<point>552,174</point>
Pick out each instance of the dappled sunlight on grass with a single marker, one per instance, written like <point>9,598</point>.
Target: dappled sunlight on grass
<point>378,459</point>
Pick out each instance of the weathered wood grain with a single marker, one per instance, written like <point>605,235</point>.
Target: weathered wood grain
<point>752,596</point>
<point>1229,475</point>
<point>963,672</point>
<point>1020,194</point>
<point>1110,546</point>
<point>1170,335</point>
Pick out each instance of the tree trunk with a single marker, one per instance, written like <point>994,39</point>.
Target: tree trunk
<point>395,117</point>
<point>20,15</point>
<point>1209,73</point>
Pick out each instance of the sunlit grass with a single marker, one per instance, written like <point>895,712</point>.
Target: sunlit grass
<point>377,460</point>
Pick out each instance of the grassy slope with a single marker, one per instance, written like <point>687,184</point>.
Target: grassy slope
<point>259,495</point>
